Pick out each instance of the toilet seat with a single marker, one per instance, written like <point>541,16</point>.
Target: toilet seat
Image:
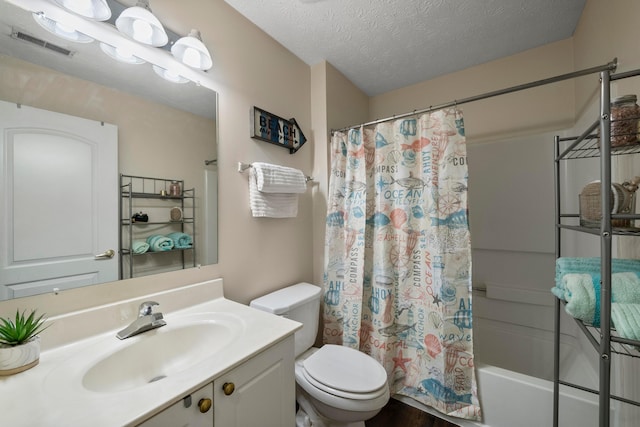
<point>345,372</point>
<point>343,367</point>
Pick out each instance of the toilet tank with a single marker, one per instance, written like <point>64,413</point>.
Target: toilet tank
<point>300,302</point>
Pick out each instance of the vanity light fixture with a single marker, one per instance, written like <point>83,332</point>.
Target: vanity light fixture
<point>191,51</point>
<point>169,75</point>
<point>59,29</point>
<point>120,54</point>
<point>139,23</point>
<point>92,9</point>
<point>131,35</point>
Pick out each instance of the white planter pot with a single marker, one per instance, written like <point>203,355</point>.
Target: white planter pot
<point>19,358</point>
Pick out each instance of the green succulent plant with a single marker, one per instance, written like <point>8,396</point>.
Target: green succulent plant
<point>13,333</point>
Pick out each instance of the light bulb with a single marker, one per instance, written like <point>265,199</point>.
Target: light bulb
<point>124,52</point>
<point>172,75</point>
<point>65,31</point>
<point>65,28</point>
<point>81,7</point>
<point>142,31</point>
<point>191,57</point>
<point>92,9</point>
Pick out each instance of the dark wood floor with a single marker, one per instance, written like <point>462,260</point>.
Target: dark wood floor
<point>398,414</point>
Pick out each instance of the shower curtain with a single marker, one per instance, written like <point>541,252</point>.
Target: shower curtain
<point>398,257</point>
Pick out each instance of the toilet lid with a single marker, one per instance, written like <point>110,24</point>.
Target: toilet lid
<point>346,369</point>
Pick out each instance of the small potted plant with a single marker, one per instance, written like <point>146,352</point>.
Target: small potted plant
<point>19,342</point>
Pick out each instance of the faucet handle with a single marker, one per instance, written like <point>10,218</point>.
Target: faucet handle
<point>146,308</point>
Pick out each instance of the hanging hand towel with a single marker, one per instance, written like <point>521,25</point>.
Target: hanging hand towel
<point>274,205</point>
<point>279,179</point>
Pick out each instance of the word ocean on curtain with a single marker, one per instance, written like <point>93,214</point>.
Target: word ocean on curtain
<point>398,256</point>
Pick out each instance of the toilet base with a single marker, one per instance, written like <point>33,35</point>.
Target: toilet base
<point>308,416</point>
<point>303,420</point>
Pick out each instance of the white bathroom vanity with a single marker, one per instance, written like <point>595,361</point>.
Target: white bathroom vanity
<point>216,362</point>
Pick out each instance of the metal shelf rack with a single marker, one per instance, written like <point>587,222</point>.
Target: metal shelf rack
<point>605,339</point>
<point>138,187</point>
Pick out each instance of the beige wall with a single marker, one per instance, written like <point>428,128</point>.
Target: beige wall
<point>336,103</point>
<point>543,108</point>
<point>606,30</point>
<point>257,255</point>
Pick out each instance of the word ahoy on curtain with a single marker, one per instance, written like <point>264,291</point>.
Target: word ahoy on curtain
<point>398,256</point>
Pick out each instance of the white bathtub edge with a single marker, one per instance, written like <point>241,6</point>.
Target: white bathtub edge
<point>525,401</point>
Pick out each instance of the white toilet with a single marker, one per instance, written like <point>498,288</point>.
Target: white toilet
<point>335,385</point>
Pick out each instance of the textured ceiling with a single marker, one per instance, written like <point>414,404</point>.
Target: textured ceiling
<point>381,45</point>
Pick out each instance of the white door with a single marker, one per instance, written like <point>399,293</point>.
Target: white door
<point>58,201</point>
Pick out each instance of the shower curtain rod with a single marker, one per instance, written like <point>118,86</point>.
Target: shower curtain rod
<point>611,66</point>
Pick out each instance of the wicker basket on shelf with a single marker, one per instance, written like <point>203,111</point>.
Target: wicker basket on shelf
<point>623,201</point>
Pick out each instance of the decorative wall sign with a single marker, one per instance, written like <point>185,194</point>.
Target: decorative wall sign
<point>276,130</point>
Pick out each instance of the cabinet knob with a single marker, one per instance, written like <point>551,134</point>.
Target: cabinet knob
<point>228,388</point>
<point>204,405</point>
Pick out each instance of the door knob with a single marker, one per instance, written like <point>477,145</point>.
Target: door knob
<point>109,253</point>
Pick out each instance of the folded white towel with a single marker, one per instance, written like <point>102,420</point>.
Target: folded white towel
<point>274,205</point>
<point>279,179</point>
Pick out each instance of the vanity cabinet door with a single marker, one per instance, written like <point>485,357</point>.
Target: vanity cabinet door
<point>194,410</point>
<point>260,392</point>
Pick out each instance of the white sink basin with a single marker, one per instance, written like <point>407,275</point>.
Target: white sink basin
<point>116,366</point>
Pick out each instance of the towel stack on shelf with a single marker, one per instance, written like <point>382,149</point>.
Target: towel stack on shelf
<point>273,190</point>
<point>160,243</point>
<point>578,283</point>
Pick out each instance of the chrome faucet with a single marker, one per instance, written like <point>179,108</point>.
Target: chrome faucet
<point>146,321</point>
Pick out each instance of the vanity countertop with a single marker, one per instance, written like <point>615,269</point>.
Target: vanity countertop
<point>52,393</point>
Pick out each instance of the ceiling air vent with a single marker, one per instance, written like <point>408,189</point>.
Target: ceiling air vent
<point>19,35</point>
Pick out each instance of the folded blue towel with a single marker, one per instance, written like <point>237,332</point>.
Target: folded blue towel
<point>589,266</point>
<point>181,240</point>
<point>565,265</point>
<point>159,243</point>
<point>139,247</point>
<point>626,318</point>
<point>582,293</point>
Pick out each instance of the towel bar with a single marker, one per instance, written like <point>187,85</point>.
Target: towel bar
<point>244,166</point>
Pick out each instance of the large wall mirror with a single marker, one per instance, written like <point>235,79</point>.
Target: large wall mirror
<point>164,130</point>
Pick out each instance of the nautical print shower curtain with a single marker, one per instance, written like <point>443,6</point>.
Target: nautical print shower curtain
<point>398,256</point>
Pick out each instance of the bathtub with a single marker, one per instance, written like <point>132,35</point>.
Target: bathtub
<point>513,345</point>
<point>512,399</point>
